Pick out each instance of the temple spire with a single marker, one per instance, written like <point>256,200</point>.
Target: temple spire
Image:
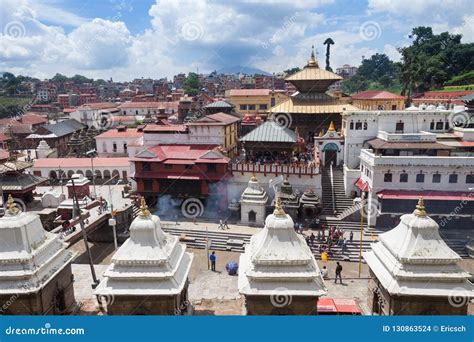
<point>144,212</point>
<point>420,208</point>
<point>331,127</point>
<point>11,205</point>
<point>253,178</point>
<point>279,208</point>
<point>312,62</point>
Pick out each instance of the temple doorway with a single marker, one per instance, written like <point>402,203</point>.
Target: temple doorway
<point>252,216</point>
<point>330,154</point>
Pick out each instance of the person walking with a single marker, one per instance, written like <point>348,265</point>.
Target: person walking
<point>324,272</point>
<point>338,272</point>
<point>225,225</point>
<point>351,236</point>
<point>213,259</point>
<point>312,237</point>
<point>221,225</point>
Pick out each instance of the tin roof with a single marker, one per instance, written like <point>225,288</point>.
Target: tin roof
<point>270,131</point>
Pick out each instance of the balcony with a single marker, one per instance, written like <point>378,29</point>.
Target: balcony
<point>298,170</point>
<point>371,159</point>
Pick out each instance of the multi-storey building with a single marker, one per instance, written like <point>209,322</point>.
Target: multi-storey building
<point>255,102</point>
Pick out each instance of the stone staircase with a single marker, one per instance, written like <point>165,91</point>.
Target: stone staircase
<point>342,202</point>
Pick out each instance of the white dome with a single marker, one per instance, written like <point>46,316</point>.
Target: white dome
<point>279,222</point>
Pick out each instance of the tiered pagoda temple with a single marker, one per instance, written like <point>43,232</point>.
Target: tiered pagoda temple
<point>278,274</point>
<point>414,272</point>
<point>35,267</point>
<point>311,108</point>
<point>148,274</point>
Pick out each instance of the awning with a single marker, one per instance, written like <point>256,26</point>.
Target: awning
<point>427,195</point>
<point>338,305</point>
<point>363,186</point>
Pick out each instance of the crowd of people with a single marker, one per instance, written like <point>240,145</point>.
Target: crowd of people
<point>281,158</point>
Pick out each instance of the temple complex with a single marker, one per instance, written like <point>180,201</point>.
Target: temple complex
<point>414,272</point>
<point>311,108</point>
<point>16,181</point>
<point>253,203</point>
<point>278,273</point>
<point>35,267</point>
<point>149,272</point>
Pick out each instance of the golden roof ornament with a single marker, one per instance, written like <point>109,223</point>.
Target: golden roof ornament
<point>144,212</point>
<point>321,134</point>
<point>312,62</point>
<point>331,127</point>
<point>279,208</point>
<point>254,178</point>
<point>11,206</point>
<point>420,208</point>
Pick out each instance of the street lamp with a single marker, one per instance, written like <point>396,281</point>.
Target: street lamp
<point>92,153</point>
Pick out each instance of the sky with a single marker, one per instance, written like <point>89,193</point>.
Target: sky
<point>127,39</point>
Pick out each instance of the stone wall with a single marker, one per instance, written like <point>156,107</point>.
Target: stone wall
<point>43,301</point>
<point>266,305</point>
<point>143,305</point>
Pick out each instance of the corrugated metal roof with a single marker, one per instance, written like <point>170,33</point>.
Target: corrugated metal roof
<point>219,104</point>
<point>270,132</point>
<point>65,127</point>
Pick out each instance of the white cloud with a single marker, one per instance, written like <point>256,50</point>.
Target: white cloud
<point>466,29</point>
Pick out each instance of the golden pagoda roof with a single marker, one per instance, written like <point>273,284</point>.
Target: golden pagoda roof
<point>293,105</point>
<point>311,73</point>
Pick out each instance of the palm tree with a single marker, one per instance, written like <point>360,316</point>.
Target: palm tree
<point>328,42</point>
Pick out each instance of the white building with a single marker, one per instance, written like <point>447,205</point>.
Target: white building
<point>115,142</point>
<point>98,115</point>
<point>278,273</point>
<point>414,272</point>
<point>149,108</point>
<point>148,273</point>
<point>253,203</point>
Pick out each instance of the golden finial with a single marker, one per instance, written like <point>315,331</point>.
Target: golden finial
<point>331,127</point>
<point>254,178</point>
<point>420,208</point>
<point>144,212</point>
<point>11,206</point>
<point>321,134</point>
<point>312,62</point>
<point>278,208</point>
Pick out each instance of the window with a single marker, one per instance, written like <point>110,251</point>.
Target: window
<point>380,107</point>
<point>211,168</point>
<point>168,167</point>
<point>399,127</point>
<point>403,177</point>
<point>394,107</point>
<point>136,112</point>
<point>114,147</point>
<point>387,178</point>
<point>262,107</point>
<point>104,147</point>
<point>272,102</point>
<point>432,125</point>
<point>420,178</point>
<point>146,167</point>
<point>470,179</point>
<point>125,147</point>
<point>358,125</point>
<point>243,107</point>
<point>446,125</point>
<point>453,178</point>
<point>188,167</point>
<point>439,125</point>
<point>436,178</point>
<point>365,125</point>
<point>251,107</point>
<point>351,125</point>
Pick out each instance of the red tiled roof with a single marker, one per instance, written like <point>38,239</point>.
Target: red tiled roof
<point>32,119</point>
<point>4,137</point>
<point>127,133</point>
<point>165,128</point>
<point>4,154</point>
<point>444,94</point>
<point>377,95</point>
<point>216,119</point>
<point>98,105</point>
<point>194,153</point>
<point>249,92</point>
<point>123,118</point>
<point>80,162</point>
<point>155,104</point>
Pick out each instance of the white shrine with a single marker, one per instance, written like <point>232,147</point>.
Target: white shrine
<point>35,267</point>
<point>278,273</point>
<point>414,272</point>
<point>253,203</point>
<point>148,273</point>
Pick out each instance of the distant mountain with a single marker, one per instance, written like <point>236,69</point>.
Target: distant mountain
<point>239,69</point>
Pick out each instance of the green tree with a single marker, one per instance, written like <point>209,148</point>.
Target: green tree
<point>191,84</point>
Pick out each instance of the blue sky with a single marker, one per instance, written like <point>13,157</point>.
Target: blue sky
<point>125,39</point>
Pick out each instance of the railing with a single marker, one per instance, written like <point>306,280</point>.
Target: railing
<point>331,175</point>
<point>300,170</point>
